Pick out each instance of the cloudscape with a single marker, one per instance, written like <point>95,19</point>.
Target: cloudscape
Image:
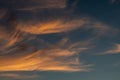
<point>59,39</point>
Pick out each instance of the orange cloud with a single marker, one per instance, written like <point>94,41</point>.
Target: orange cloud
<point>59,57</point>
<point>54,26</point>
<point>52,58</point>
<point>20,55</point>
<point>8,40</point>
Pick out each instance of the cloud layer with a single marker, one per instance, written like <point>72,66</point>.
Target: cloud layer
<point>52,58</point>
<point>22,26</point>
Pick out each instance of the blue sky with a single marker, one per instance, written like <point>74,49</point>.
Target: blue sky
<point>59,40</point>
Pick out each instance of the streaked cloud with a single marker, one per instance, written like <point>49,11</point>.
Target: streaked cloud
<point>2,13</point>
<point>114,50</point>
<point>37,4</point>
<point>21,53</point>
<point>17,76</point>
<point>55,26</point>
<point>62,24</point>
<point>42,4</point>
<point>21,50</point>
<point>52,58</point>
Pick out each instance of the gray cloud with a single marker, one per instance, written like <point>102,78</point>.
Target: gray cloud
<point>115,1</point>
<point>2,13</point>
<point>114,50</point>
<point>37,4</point>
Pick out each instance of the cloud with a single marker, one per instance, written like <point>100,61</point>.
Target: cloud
<point>36,4</point>
<point>42,4</point>
<point>20,53</point>
<point>17,76</point>
<point>55,26</point>
<point>9,39</point>
<point>21,50</point>
<point>48,4</point>
<point>63,23</point>
<point>51,58</point>
<point>115,50</point>
<point>114,1</point>
<point>2,13</point>
<point>117,64</point>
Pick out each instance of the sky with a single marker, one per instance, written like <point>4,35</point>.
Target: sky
<point>59,40</point>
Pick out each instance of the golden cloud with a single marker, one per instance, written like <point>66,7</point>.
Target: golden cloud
<point>51,58</point>
<point>60,57</point>
<point>55,26</point>
<point>19,54</point>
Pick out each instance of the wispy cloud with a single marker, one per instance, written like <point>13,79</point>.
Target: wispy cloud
<point>2,13</point>
<point>114,1</point>
<point>114,50</point>
<point>55,26</point>
<point>117,64</point>
<point>52,58</point>
<point>22,53</point>
<point>20,49</point>
<point>42,4</point>
<point>17,76</point>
